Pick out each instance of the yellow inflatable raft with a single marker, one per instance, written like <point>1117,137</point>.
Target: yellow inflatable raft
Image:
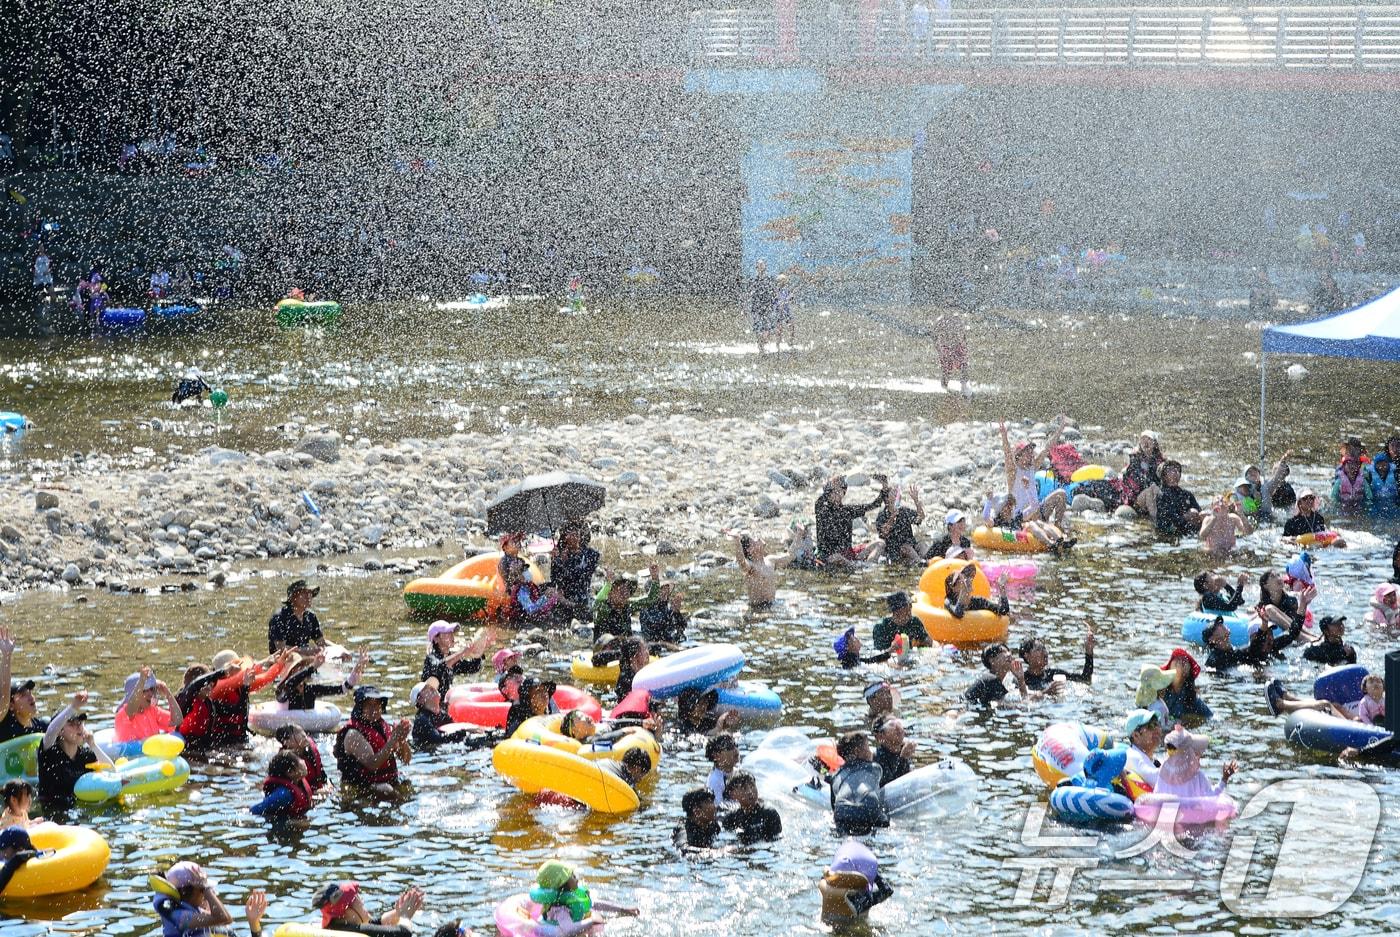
<point>310,930</point>
<point>78,859</point>
<point>535,768</point>
<point>581,666</point>
<point>471,589</point>
<point>1006,541</point>
<point>973,627</point>
<point>544,730</point>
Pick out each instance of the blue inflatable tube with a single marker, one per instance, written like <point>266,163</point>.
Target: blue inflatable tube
<point>753,701</point>
<point>1193,628</point>
<point>12,422</point>
<point>121,317</point>
<point>1322,732</point>
<point>1089,804</point>
<point>1340,685</point>
<point>174,310</point>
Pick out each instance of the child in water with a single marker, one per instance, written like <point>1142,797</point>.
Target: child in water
<point>723,754</point>
<point>701,826</point>
<point>287,796</point>
<point>760,570</point>
<point>847,648</point>
<point>1181,773</point>
<point>1371,709</point>
<point>754,820</point>
<point>19,797</point>
<point>566,903</point>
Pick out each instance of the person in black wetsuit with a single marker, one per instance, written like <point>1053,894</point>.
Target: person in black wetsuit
<point>895,526</point>
<point>701,826</point>
<point>1216,593</point>
<point>1331,650</point>
<point>697,713</point>
<point>1277,606</point>
<point>991,687</point>
<point>847,648</point>
<point>856,804</point>
<point>571,571</point>
<point>893,751</point>
<point>429,718</point>
<point>834,517</point>
<point>959,599</point>
<point>955,525</point>
<point>1040,676</point>
<point>295,625</point>
<point>1308,520</point>
<point>755,821</point>
<point>15,850</point>
<point>442,663</point>
<point>1176,511</point>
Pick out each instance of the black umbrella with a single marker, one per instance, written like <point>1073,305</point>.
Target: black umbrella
<point>544,502</point>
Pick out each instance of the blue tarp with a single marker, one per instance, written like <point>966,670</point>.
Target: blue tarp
<point>1371,330</point>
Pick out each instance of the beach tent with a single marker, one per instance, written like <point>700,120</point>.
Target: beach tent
<point>1371,331</point>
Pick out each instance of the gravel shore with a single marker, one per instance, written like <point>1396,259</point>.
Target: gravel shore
<point>675,482</point>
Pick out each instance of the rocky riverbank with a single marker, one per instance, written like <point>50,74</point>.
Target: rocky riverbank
<point>676,481</point>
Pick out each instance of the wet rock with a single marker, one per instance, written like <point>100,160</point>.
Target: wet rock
<point>626,479</point>
<point>218,578</point>
<point>1296,372</point>
<point>323,447</point>
<point>10,534</point>
<point>372,534</point>
<point>765,507</point>
<point>206,553</point>
<point>218,456</point>
<point>666,548</point>
<point>71,573</point>
<point>780,479</point>
<point>1125,512</point>
<point>372,565</point>
<point>1082,503</point>
<point>45,500</point>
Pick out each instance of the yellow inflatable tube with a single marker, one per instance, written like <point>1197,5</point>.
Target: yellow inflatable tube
<point>535,768</point>
<point>973,627</point>
<point>581,666</point>
<point>1006,541</point>
<point>544,730</point>
<point>471,589</point>
<point>310,930</point>
<point>78,859</point>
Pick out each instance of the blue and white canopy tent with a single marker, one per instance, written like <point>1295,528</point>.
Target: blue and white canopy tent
<point>1371,331</point>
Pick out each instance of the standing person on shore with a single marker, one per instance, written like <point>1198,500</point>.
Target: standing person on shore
<point>950,338</point>
<point>782,315</point>
<point>763,297</point>
<point>834,518</point>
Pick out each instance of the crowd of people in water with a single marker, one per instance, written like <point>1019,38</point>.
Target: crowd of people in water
<point>210,708</point>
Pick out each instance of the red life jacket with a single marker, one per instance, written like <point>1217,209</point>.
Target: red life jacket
<point>230,719</point>
<point>315,771</point>
<point>301,794</point>
<point>351,771</point>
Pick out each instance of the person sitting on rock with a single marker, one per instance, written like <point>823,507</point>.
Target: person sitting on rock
<point>1021,461</point>
<point>835,539</point>
<point>895,525</point>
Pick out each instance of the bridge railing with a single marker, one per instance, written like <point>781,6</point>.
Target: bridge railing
<point>1365,38</point>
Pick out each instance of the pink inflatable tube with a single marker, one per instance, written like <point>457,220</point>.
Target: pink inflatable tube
<point>518,916</point>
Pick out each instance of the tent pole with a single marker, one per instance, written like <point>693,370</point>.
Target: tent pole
<point>1263,371</point>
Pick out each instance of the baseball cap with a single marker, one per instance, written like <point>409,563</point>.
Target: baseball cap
<point>224,658</point>
<point>15,837</point>
<point>530,684</point>
<point>953,517</point>
<point>1242,482</point>
<point>1307,493</point>
<point>1137,719</point>
<point>439,627</point>
<point>500,661</point>
<point>130,685</point>
<point>335,900</point>
<point>299,584</point>
<point>19,686</point>
<point>371,692</point>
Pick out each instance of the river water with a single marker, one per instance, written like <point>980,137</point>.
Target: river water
<point>469,839</point>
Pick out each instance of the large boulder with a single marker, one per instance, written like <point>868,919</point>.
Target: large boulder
<point>323,447</point>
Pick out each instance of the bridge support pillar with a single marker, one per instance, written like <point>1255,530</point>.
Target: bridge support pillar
<point>828,173</point>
